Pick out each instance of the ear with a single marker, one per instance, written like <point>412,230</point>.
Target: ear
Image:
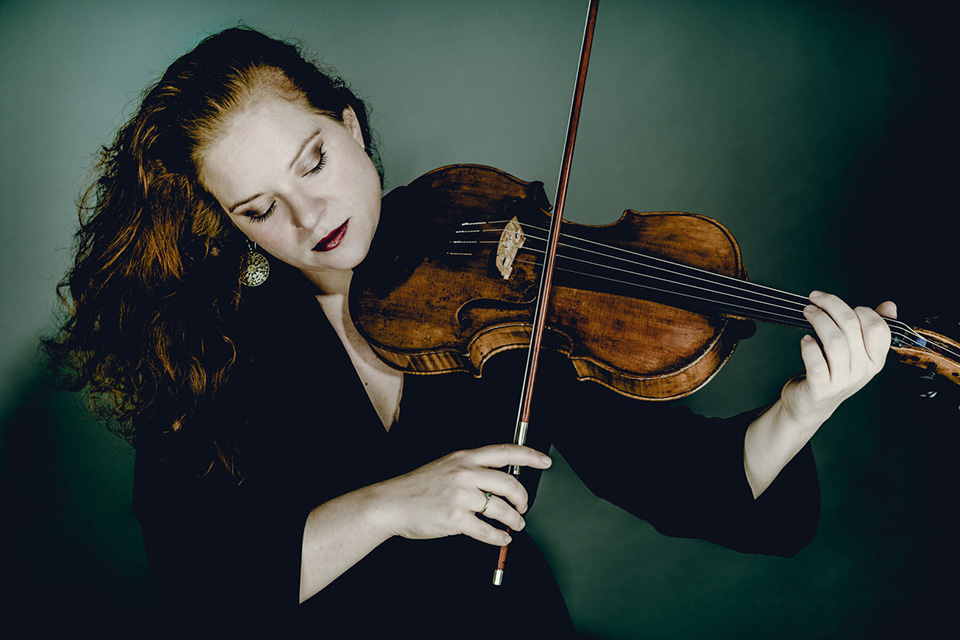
<point>352,124</point>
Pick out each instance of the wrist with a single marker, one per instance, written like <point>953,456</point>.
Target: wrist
<point>379,511</point>
<point>771,441</point>
<point>794,423</point>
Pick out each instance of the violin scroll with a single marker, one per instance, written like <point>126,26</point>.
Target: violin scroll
<point>936,353</point>
<point>932,351</point>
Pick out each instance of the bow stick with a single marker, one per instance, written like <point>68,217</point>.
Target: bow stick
<point>546,276</point>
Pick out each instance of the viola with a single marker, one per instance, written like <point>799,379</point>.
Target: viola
<point>651,306</point>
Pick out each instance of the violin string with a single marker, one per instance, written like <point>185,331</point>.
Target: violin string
<point>786,297</point>
<point>718,280</point>
<point>650,260</point>
<point>905,330</point>
<point>895,330</point>
<point>742,286</point>
<point>941,347</point>
<point>751,312</point>
<point>899,328</point>
<point>737,285</point>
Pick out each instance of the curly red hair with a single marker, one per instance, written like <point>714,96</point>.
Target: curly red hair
<point>154,286</point>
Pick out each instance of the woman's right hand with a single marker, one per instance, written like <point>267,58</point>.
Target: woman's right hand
<point>443,498</point>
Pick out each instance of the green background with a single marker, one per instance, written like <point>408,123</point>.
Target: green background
<point>822,134</point>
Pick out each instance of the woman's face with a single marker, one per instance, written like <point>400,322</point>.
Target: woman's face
<point>297,183</point>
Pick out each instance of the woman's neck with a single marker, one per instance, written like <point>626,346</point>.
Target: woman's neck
<point>331,283</point>
<point>333,294</point>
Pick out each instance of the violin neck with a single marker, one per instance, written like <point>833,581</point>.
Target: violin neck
<point>696,289</point>
<point>741,300</point>
<point>683,286</point>
<point>596,266</point>
<point>715,294</point>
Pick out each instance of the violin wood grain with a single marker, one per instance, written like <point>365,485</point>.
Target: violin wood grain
<point>453,312</point>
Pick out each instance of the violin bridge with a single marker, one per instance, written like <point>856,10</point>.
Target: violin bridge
<point>511,240</point>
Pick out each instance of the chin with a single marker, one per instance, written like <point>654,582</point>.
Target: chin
<point>347,260</point>
<point>356,254</point>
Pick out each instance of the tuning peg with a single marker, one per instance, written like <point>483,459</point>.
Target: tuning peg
<point>929,381</point>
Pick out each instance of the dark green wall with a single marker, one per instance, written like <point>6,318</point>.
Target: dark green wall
<point>821,133</point>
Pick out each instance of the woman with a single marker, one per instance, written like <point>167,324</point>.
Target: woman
<point>286,476</point>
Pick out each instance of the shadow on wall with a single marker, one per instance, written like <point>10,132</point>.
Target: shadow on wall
<point>74,557</point>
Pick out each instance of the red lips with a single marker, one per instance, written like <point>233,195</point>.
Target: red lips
<point>332,241</point>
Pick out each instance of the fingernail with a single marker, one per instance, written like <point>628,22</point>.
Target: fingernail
<point>545,459</point>
<point>816,292</point>
<point>809,308</point>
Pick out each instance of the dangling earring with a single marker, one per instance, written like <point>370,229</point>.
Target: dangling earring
<point>254,267</point>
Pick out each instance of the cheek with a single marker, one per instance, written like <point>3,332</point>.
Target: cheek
<point>259,233</point>
<point>370,185</point>
<point>269,239</point>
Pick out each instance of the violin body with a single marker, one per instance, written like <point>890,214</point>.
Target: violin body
<point>650,306</point>
<point>441,305</point>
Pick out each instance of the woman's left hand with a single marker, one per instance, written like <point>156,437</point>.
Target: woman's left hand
<point>852,348</point>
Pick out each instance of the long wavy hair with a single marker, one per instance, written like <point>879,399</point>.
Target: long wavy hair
<point>151,295</point>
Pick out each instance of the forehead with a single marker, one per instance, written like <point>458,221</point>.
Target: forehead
<point>256,144</point>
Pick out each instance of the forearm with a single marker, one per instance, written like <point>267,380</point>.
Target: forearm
<point>771,441</point>
<point>337,535</point>
<point>439,499</point>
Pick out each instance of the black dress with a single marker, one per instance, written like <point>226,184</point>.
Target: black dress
<point>227,554</point>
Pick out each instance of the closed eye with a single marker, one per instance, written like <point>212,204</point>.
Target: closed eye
<point>255,217</point>
<point>321,161</point>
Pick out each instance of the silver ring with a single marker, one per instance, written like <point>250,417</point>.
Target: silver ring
<point>485,504</point>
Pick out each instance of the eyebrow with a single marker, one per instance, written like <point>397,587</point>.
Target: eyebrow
<point>240,204</point>
<point>305,144</point>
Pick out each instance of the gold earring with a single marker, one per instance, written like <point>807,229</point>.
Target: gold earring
<point>254,267</point>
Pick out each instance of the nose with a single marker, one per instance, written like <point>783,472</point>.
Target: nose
<point>305,211</point>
